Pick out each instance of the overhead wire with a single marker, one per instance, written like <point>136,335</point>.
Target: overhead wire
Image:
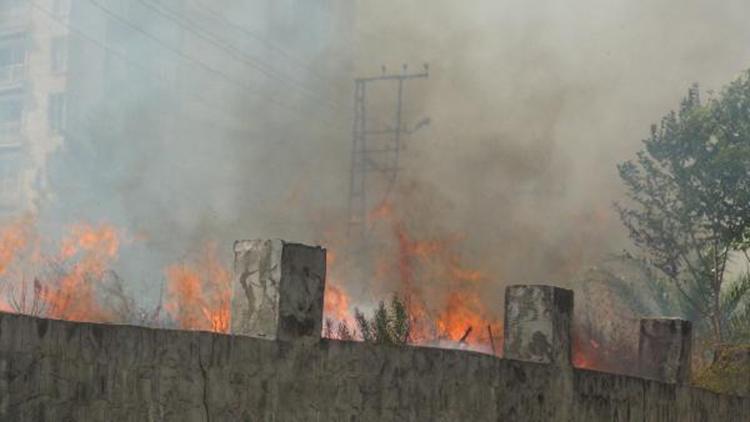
<point>122,56</point>
<point>283,52</point>
<point>149,72</point>
<point>301,63</point>
<point>207,67</point>
<point>191,26</point>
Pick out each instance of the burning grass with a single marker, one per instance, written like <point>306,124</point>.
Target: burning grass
<point>200,292</point>
<point>441,295</point>
<point>61,283</point>
<point>73,280</point>
<point>441,299</point>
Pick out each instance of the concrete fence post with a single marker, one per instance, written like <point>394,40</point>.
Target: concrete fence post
<point>277,291</point>
<point>537,324</point>
<point>664,346</point>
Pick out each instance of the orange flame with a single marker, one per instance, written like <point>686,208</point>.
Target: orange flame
<point>461,308</point>
<point>381,212</point>
<point>442,296</point>
<point>585,353</point>
<point>464,310</point>
<point>337,304</point>
<point>14,238</point>
<point>200,293</point>
<point>90,251</point>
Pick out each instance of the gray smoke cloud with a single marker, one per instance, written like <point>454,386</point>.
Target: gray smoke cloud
<point>532,105</point>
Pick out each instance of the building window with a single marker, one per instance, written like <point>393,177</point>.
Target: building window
<point>12,60</point>
<point>11,110</point>
<point>57,113</point>
<point>59,54</point>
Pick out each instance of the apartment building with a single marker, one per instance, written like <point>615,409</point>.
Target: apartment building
<point>86,86</point>
<point>33,79</point>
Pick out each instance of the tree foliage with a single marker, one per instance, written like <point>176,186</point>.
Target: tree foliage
<point>729,373</point>
<point>688,205</point>
<point>388,324</point>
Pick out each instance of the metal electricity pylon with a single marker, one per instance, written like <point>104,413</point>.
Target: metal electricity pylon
<point>376,150</point>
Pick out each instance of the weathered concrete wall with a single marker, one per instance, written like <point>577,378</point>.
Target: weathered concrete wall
<point>277,291</point>
<point>537,324</point>
<point>664,348</point>
<point>63,371</point>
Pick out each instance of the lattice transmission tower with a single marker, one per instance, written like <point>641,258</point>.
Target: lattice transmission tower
<point>376,150</point>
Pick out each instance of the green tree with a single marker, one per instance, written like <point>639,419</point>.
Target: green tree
<point>689,197</point>
<point>388,324</point>
<point>644,291</point>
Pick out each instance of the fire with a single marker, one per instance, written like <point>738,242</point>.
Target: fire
<point>337,303</point>
<point>441,294</point>
<point>422,328</point>
<point>585,353</point>
<point>103,239</point>
<point>200,292</point>
<point>431,269</point>
<point>381,212</point>
<point>14,238</point>
<point>464,310</point>
<point>62,284</point>
<point>70,281</point>
<point>89,252</point>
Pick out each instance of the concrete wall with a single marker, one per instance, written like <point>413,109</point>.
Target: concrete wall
<point>64,371</point>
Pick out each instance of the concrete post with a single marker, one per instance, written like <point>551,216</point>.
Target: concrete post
<point>277,291</point>
<point>537,324</point>
<point>664,346</point>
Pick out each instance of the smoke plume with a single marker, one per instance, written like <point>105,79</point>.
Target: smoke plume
<point>532,104</point>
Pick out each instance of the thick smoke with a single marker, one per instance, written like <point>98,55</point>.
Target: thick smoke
<point>532,104</point>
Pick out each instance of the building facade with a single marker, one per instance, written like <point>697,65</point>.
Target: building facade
<point>87,86</point>
<point>33,80</point>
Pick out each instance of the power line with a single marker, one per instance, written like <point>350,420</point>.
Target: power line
<point>283,52</point>
<point>157,77</point>
<point>176,51</point>
<point>127,60</point>
<point>251,90</point>
<point>190,26</point>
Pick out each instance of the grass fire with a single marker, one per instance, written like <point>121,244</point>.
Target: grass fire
<point>490,210</point>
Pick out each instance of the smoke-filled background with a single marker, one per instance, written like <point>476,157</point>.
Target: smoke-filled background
<point>532,105</point>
